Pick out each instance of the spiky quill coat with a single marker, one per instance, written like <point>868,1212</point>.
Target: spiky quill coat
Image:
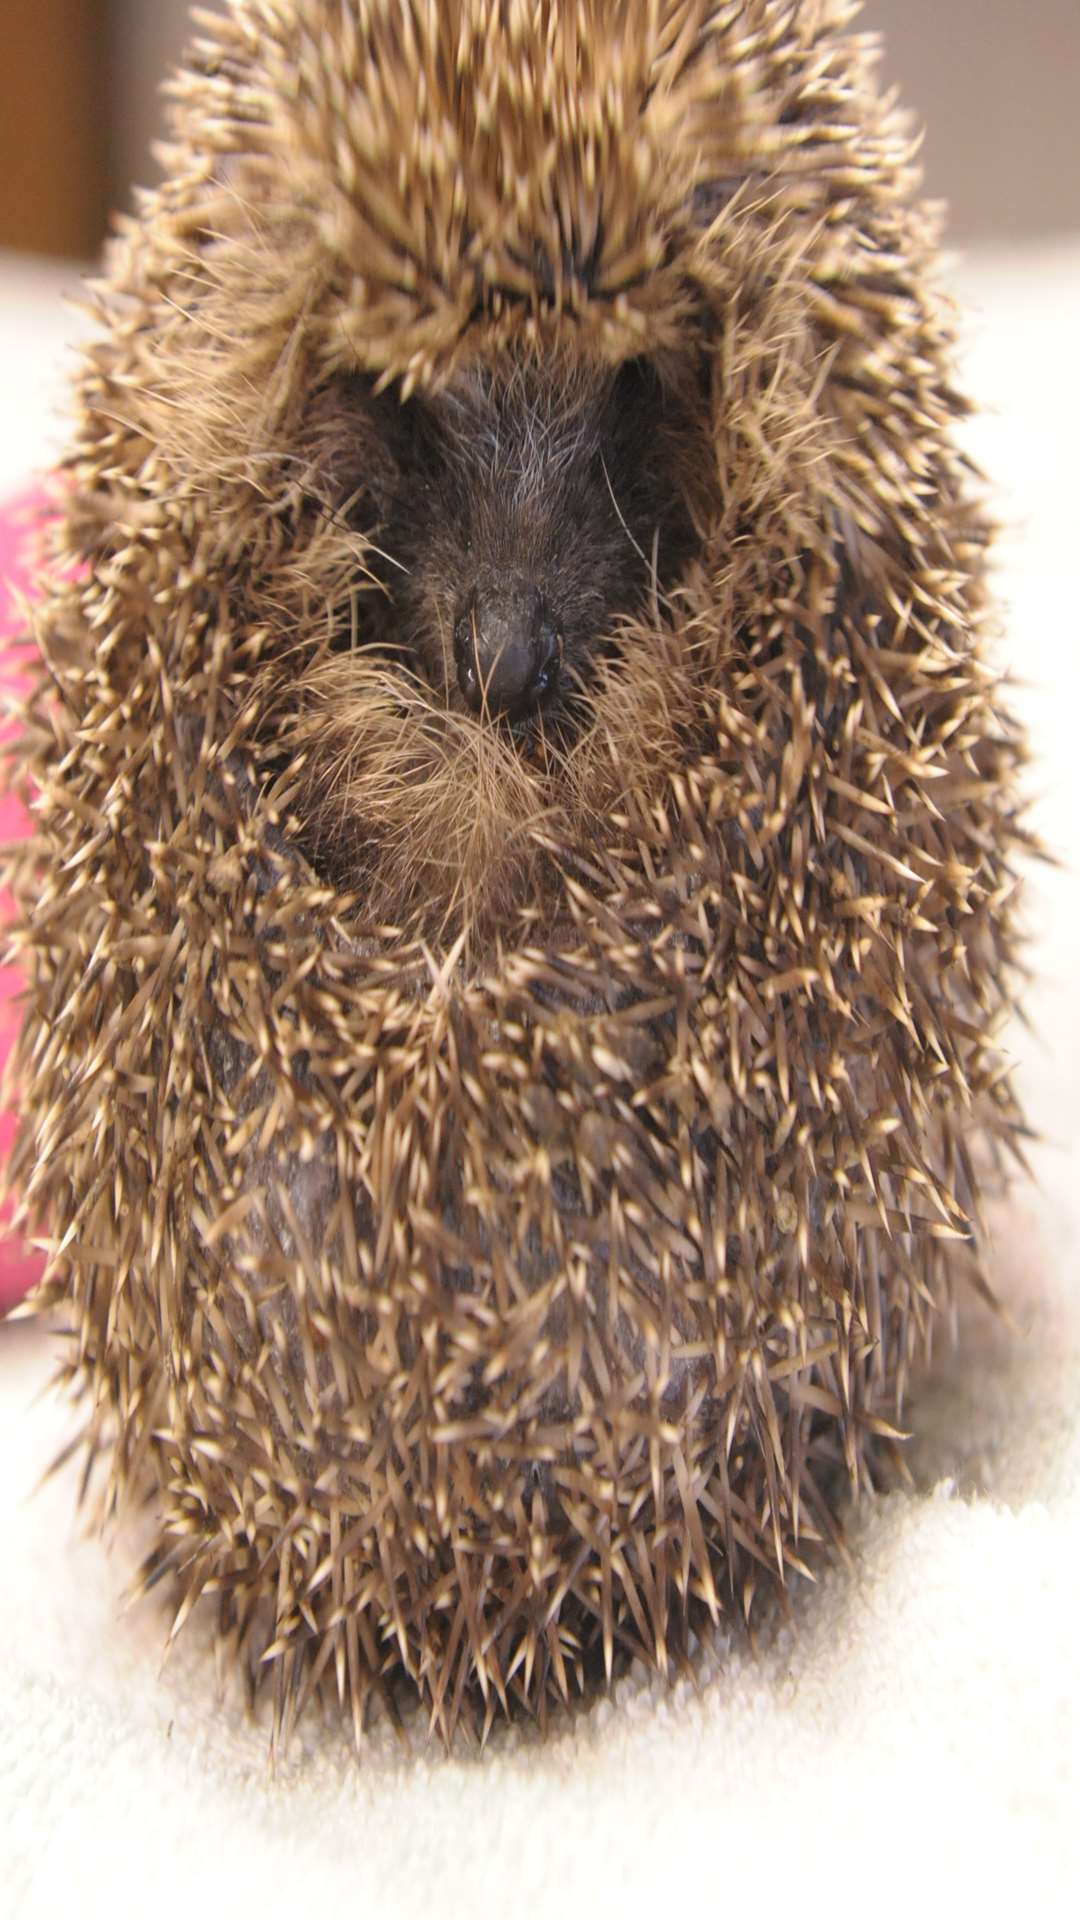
<point>490,1293</point>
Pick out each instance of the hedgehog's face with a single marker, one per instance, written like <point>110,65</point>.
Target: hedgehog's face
<point>520,512</point>
<point>497,656</point>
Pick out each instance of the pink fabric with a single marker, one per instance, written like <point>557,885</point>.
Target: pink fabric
<point>18,1268</point>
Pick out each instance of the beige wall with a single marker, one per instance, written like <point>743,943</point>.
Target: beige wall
<point>996,83</point>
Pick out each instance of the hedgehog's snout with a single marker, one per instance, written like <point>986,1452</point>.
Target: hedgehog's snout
<point>507,646</point>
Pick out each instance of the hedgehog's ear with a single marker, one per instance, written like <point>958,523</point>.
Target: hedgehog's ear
<point>362,438</point>
<point>402,421</point>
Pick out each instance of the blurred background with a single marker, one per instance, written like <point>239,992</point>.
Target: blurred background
<point>994,82</point>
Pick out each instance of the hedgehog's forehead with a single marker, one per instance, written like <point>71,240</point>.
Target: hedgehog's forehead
<point>507,165</point>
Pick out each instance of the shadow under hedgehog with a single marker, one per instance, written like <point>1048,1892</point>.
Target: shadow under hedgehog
<point>522,890</point>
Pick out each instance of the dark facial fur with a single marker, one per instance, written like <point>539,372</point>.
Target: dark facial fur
<point>573,483</point>
<point>516,517</point>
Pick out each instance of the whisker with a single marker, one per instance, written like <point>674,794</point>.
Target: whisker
<point>621,517</point>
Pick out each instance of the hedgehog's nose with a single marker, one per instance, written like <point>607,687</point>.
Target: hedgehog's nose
<point>506,646</point>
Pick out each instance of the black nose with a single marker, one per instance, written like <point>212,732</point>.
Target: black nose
<point>507,646</point>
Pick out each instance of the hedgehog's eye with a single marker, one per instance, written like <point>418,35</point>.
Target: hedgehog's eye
<point>408,427</point>
<point>627,407</point>
<point>637,396</point>
<point>637,382</point>
<point>403,428</point>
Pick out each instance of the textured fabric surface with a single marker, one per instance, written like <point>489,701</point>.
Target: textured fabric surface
<point>36,323</point>
<point>18,517</point>
<point>912,1732</point>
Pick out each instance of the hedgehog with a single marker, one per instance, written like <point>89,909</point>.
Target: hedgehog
<point>522,897</point>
